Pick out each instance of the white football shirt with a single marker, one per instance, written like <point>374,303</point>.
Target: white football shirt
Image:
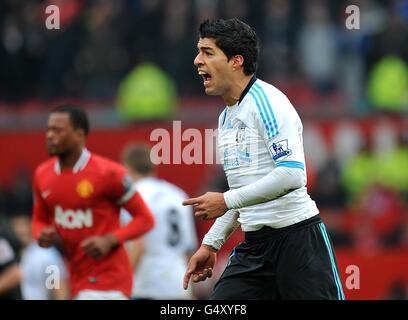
<point>257,134</point>
<point>160,272</point>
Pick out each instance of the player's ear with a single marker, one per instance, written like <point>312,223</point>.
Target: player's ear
<point>237,61</point>
<point>80,133</point>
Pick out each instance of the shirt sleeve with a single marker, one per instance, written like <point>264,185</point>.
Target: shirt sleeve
<point>125,194</point>
<point>121,185</point>
<point>222,228</point>
<point>275,184</point>
<point>281,129</point>
<point>142,219</point>
<point>41,215</point>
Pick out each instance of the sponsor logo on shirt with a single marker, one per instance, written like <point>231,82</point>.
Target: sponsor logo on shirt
<point>73,219</point>
<point>45,193</point>
<point>280,150</point>
<point>84,188</point>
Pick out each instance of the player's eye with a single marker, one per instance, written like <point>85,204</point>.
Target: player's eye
<point>56,130</point>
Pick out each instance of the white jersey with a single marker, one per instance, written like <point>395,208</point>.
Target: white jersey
<point>261,132</point>
<point>38,266</point>
<point>160,272</point>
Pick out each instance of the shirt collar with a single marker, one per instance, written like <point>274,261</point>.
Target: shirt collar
<point>249,85</point>
<point>79,165</point>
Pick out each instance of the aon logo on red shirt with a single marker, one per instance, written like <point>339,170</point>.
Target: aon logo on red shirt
<point>73,219</point>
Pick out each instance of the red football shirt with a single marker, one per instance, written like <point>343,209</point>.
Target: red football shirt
<point>83,202</point>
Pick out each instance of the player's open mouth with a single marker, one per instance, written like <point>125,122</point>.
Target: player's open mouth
<point>206,77</point>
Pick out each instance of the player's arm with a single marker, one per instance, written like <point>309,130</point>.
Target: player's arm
<point>42,227</point>
<point>127,197</point>
<point>142,222</point>
<point>135,248</point>
<point>201,264</point>
<point>135,251</point>
<point>275,184</point>
<point>221,230</point>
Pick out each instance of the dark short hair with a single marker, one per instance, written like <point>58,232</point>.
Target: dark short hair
<point>233,37</point>
<point>77,115</point>
<point>137,158</point>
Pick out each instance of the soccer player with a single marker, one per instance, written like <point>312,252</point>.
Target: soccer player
<point>287,253</point>
<point>77,196</point>
<point>160,256</point>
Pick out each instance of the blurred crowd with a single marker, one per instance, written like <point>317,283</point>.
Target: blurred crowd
<point>306,48</point>
<point>361,186</point>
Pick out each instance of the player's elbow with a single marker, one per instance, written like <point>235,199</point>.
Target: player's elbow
<point>298,178</point>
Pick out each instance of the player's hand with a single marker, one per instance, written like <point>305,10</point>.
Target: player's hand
<point>209,206</point>
<point>99,246</point>
<point>201,265</point>
<point>47,237</point>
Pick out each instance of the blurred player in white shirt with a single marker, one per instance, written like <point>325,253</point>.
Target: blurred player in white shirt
<point>40,267</point>
<point>160,257</point>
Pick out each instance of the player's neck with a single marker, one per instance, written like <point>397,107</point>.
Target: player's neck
<point>237,87</point>
<point>68,160</point>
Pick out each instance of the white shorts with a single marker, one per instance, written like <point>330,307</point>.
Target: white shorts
<point>100,295</point>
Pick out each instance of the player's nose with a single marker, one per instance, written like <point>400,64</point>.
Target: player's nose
<point>49,135</point>
<point>198,61</point>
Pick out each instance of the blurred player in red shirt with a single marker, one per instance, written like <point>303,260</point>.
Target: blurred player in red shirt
<point>77,197</point>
